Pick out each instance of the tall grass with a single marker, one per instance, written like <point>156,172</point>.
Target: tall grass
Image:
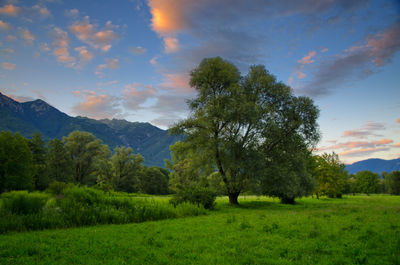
<point>82,206</point>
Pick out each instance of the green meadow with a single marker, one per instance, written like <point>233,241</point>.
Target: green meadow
<point>351,230</point>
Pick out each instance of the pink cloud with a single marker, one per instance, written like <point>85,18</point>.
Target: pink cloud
<point>28,36</point>
<point>365,151</point>
<point>9,10</point>
<point>60,44</point>
<point>97,39</point>
<point>8,66</point>
<point>5,25</point>
<point>84,54</point>
<point>177,82</point>
<point>398,120</point>
<point>397,144</point>
<point>97,106</point>
<point>308,58</point>
<point>136,94</point>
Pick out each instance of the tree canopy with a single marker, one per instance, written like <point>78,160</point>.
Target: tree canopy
<point>241,123</point>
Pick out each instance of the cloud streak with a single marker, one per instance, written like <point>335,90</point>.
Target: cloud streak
<point>377,51</point>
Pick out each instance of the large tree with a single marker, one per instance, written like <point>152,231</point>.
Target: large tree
<point>238,122</point>
<point>87,153</point>
<point>58,162</point>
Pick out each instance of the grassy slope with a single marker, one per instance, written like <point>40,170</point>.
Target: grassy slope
<point>353,230</point>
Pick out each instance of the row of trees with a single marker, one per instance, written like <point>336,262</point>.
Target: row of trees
<point>78,158</point>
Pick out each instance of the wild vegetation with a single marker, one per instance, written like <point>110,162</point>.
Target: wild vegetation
<point>351,230</point>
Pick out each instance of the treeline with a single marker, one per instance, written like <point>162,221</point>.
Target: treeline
<point>80,158</point>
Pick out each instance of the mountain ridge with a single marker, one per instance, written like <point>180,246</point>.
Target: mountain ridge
<point>376,165</point>
<point>37,115</point>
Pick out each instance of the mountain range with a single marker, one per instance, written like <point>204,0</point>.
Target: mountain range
<point>27,117</point>
<point>375,165</point>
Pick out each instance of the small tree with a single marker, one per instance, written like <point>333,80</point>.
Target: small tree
<point>367,182</point>
<point>393,182</point>
<point>331,175</point>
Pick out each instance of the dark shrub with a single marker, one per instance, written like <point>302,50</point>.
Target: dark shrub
<point>196,195</point>
<point>22,202</point>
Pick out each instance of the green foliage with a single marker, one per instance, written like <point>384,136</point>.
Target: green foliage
<point>22,202</point>
<point>367,182</point>
<point>58,187</point>
<point>126,167</point>
<point>236,123</point>
<point>39,152</point>
<point>392,181</point>
<point>16,164</point>
<point>153,181</point>
<point>58,162</point>
<point>331,175</point>
<point>86,153</point>
<point>79,206</point>
<point>196,195</point>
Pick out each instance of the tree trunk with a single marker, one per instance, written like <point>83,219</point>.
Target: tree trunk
<point>233,197</point>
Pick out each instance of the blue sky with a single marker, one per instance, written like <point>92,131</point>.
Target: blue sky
<point>130,59</point>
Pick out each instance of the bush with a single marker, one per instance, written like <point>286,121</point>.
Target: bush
<point>196,195</point>
<point>22,202</point>
<point>58,187</point>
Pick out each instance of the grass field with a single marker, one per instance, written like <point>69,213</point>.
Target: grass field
<point>352,230</point>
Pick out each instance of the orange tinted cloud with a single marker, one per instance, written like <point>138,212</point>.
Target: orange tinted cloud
<point>27,35</point>
<point>84,54</point>
<point>97,106</point>
<point>177,82</point>
<point>98,39</point>
<point>5,25</point>
<point>364,151</point>
<point>9,10</point>
<point>308,58</point>
<point>383,142</point>
<point>168,19</point>
<point>9,66</point>
<point>61,43</point>
<point>398,120</point>
<point>397,144</point>
<point>136,94</point>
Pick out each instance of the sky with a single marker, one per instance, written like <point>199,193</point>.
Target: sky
<point>131,59</point>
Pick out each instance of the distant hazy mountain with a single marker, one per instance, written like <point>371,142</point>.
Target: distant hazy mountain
<point>375,165</point>
<point>148,140</point>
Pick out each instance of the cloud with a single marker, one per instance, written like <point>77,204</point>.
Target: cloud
<point>397,144</point>
<point>110,83</point>
<point>41,11</point>
<point>138,50</point>
<point>60,47</point>
<point>8,66</point>
<point>358,144</point>
<point>176,82</point>
<point>171,44</point>
<point>113,63</point>
<point>357,61</point>
<point>97,39</point>
<point>324,50</point>
<point>44,47</point>
<point>26,35</point>
<point>367,129</point>
<point>136,94</point>
<point>97,106</point>
<point>363,152</point>
<point>307,59</point>
<point>9,10</point>
<point>11,38</point>
<point>5,25</point>
<point>84,55</point>
<point>7,51</point>
<point>72,12</point>
<point>398,120</point>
